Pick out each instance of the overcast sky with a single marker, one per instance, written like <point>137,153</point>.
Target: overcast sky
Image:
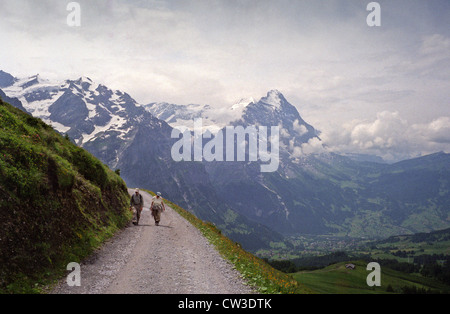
<point>379,90</point>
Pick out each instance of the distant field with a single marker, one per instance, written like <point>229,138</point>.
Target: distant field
<point>336,279</point>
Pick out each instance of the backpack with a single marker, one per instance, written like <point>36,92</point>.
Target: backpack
<point>140,200</point>
<point>157,204</point>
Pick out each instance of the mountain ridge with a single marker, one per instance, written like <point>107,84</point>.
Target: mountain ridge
<point>312,191</point>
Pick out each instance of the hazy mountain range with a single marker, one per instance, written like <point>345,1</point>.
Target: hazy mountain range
<point>312,192</point>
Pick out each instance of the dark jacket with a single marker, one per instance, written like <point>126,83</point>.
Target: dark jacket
<point>137,200</point>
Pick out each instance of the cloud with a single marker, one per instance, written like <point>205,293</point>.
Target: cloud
<point>436,132</point>
<point>299,128</point>
<point>435,44</point>
<point>390,136</point>
<point>313,146</point>
<point>320,54</point>
<point>381,134</point>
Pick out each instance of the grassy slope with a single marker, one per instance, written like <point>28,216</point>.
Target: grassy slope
<point>436,242</point>
<point>336,279</point>
<point>57,202</point>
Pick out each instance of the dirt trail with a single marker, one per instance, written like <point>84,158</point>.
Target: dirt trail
<point>170,258</point>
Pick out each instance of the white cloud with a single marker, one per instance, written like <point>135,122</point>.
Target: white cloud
<point>436,132</point>
<point>322,57</point>
<point>390,136</point>
<point>435,44</point>
<point>313,146</point>
<point>299,128</point>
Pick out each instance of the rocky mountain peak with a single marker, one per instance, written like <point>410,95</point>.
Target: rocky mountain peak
<point>6,79</point>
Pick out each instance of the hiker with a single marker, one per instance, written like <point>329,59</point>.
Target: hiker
<point>136,205</point>
<point>157,207</point>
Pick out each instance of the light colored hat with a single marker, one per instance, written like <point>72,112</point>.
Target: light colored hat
<point>137,190</point>
<point>159,193</point>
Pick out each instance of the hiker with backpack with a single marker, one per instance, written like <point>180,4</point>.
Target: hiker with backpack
<point>136,205</point>
<point>157,207</point>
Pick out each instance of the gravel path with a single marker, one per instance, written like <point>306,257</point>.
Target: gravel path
<point>172,258</point>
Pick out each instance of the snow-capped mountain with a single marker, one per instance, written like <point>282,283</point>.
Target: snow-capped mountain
<point>6,79</point>
<point>80,108</point>
<point>122,134</point>
<point>213,119</point>
<point>271,110</point>
<point>309,193</point>
<point>275,110</point>
<point>179,116</point>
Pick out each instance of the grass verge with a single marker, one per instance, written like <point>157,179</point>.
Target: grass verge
<point>256,272</point>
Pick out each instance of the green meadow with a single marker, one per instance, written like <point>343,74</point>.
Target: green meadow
<point>337,279</point>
